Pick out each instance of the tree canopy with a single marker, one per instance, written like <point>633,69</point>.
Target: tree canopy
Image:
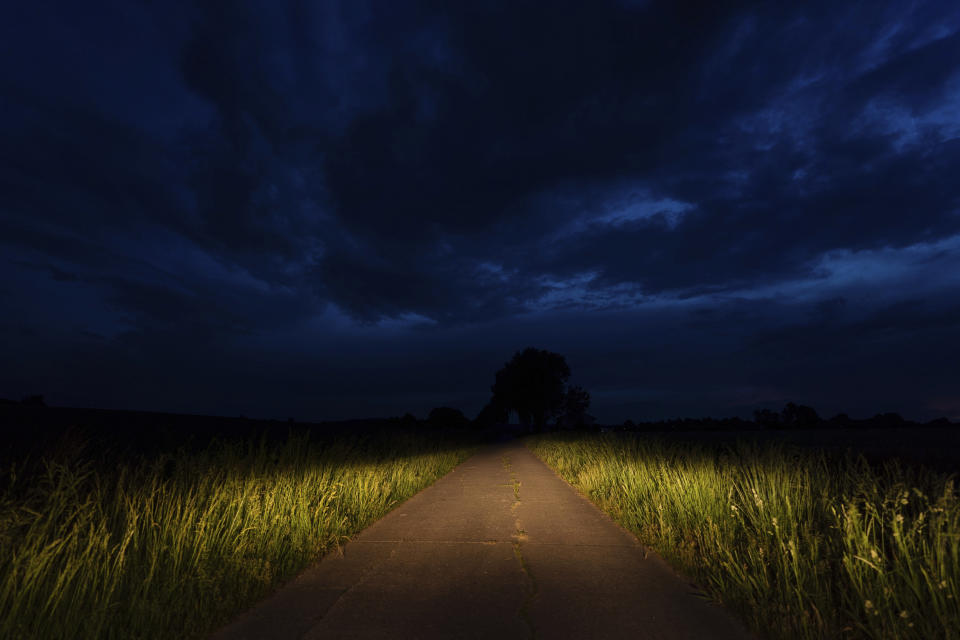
<point>574,409</point>
<point>447,417</point>
<point>492,414</point>
<point>532,383</point>
<point>793,416</point>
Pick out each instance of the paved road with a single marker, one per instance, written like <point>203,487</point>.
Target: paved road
<point>501,547</point>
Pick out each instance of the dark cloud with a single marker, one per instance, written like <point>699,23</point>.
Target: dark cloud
<point>349,208</point>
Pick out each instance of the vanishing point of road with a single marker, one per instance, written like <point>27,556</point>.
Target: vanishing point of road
<point>500,547</point>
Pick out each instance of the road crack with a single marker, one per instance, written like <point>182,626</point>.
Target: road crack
<point>523,612</point>
<point>520,536</point>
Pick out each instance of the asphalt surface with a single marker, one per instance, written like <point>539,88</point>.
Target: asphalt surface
<point>501,547</point>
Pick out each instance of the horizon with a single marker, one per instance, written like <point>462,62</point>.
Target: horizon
<point>423,418</point>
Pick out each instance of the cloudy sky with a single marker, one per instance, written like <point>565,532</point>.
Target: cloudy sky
<point>348,208</point>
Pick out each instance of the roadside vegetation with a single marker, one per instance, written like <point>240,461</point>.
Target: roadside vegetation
<point>171,545</point>
<point>798,543</point>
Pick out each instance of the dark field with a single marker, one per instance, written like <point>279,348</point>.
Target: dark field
<point>140,525</point>
<point>135,524</point>
<point>937,447</point>
<point>803,542</point>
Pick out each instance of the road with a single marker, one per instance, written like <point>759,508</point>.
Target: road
<point>500,547</point>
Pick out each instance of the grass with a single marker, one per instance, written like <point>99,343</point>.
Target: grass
<point>172,545</point>
<point>798,543</point>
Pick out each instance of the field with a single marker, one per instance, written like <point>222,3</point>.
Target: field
<point>799,542</point>
<point>172,543</point>
<point>146,533</point>
<point>935,447</point>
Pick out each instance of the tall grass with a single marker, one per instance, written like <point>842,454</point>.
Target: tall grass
<point>800,544</point>
<point>172,545</point>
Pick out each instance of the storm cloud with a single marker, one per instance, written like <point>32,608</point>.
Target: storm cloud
<point>349,209</point>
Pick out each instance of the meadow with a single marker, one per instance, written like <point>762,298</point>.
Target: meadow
<point>172,544</point>
<point>798,543</point>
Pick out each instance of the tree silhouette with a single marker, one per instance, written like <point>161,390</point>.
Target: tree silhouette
<point>766,418</point>
<point>798,415</point>
<point>575,404</point>
<point>792,416</point>
<point>533,385</point>
<point>492,414</point>
<point>447,418</point>
<point>840,420</point>
<point>33,401</point>
<point>888,420</point>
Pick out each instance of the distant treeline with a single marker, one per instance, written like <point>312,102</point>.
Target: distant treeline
<point>31,426</point>
<point>792,416</point>
<point>32,429</point>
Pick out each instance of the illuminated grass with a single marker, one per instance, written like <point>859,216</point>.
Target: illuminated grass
<point>798,544</point>
<point>175,545</point>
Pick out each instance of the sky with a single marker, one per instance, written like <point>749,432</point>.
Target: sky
<point>331,210</point>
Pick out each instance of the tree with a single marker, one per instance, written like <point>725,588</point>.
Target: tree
<point>447,418</point>
<point>766,418</point>
<point>574,409</point>
<point>798,416</point>
<point>533,385</point>
<point>841,420</point>
<point>884,420</point>
<point>492,414</point>
<point>33,401</point>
